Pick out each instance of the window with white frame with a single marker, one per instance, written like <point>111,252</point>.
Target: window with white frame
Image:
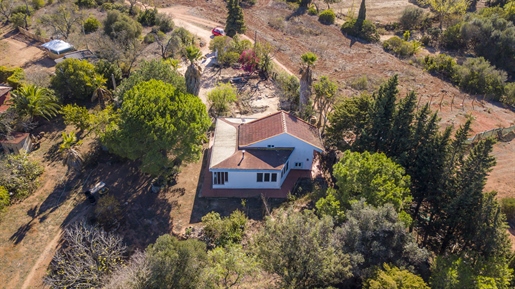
<point>220,178</point>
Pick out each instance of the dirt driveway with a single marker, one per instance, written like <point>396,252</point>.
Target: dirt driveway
<point>20,51</point>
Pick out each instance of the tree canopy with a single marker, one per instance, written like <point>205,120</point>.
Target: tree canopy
<point>74,79</point>
<point>158,125</point>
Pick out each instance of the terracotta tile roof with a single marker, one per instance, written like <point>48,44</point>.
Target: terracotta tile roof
<point>4,97</point>
<point>276,124</point>
<point>256,159</point>
<point>15,137</point>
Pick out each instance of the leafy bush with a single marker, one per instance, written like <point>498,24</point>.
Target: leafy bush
<point>478,76</point>
<point>509,94</point>
<point>148,17</point>
<point>87,3</point>
<point>5,199</point>
<point>229,58</point>
<point>452,39</point>
<point>289,86</point>
<point>441,64</point>
<point>327,17</point>
<point>400,47</point>
<point>20,176</point>
<point>149,38</point>
<point>223,231</point>
<point>14,77</point>
<point>91,24</point>
<point>411,18</point>
<point>360,83</point>
<point>508,208</point>
<point>18,19</point>
<point>312,10</point>
<point>221,97</point>
<point>37,4</point>
<point>74,79</point>
<point>108,70</point>
<point>165,22</point>
<point>367,31</point>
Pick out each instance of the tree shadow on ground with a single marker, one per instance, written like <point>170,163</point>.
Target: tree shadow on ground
<point>298,12</point>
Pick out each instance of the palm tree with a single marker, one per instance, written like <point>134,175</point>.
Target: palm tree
<point>71,157</point>
<point>306,79</point>
<point>194,71</point>
<point>101,92</point>
<point>35,101</point>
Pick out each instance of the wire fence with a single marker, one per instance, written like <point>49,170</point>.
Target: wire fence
<point>501,134</point>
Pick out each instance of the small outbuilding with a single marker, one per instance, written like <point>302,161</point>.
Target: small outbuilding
<point>56,48</point>
<point>18,142</point>
<point>5,95</point>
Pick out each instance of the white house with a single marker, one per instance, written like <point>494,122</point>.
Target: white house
<point>259,153</point>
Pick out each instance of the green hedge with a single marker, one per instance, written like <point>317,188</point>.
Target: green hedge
<point>12,76</point>
<point>366,31</point>
<point>327,17</point>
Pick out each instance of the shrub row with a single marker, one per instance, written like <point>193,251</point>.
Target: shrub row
<point>475,76</point>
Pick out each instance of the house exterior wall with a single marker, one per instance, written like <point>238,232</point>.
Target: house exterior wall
<point>24,146</point>
<point>302,154</point>
<point>247,179</point>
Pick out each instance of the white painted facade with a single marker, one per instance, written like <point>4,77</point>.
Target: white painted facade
<point>302,155</point>
<point>248,179</point>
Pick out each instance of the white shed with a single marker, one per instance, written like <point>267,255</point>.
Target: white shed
<point>57,47</point>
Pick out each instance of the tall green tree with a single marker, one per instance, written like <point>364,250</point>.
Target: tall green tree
<point>229,267</point>
<point>74,79</point>
<point>235,22</point>
<point>445,8</point>
<point>374,236</point>
<point>194,71</point>
<point>393,277</point>
<point>325,96</point>
<point>163,70</point>
<point>372,177</point>
<point>34,101</point>
<point>175,264</point>
<point>158,125</point>
<point>299,247</point>
<point>306,79</point>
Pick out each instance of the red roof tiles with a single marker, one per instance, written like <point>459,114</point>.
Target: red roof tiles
<point>256,159</point>
<point>276,124</point>
<point>4,97</point>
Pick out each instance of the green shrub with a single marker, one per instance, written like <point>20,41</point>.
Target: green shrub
<point>87,3</point>
<point>148,17</point>
<point>149,38</point>
<point>229,58</point>
<point>165,22</point>
<point>91,24</point>
<point>360,83</point>
<point>14,77</point>
<point>366,31</point>
<point>18,19</point>
<point>452,39</point>
<point>478,76</point>
<point>509,94</point>
<point>508,208</point>
<point>327,17</point>
<point>411,18</point>
<point>23,9</point>
<point>400,47</point>
<point>223,231</point>
<point>20,175</point>
<point>107,6</point>
<point>441,64</point>
<point>5,199</point>
<point>37,4</point>
<point>312,10</point>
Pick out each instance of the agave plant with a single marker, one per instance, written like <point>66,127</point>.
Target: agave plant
<point>34,101</point>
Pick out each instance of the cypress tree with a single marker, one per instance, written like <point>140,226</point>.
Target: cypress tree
<point>235,22</point>
<point>362,14</point>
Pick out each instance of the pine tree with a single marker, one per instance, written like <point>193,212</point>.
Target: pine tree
<point>374,139</point>
<point>400,140</point>
<point>235,22</point>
